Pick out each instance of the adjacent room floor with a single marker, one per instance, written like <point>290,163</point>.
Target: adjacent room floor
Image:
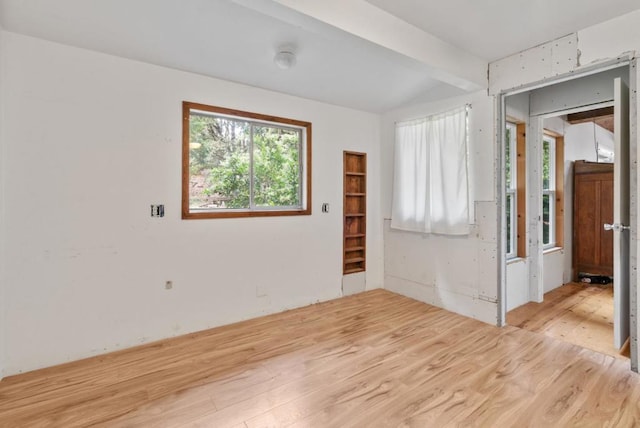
<point>578,313</point>
<point>372,360</point>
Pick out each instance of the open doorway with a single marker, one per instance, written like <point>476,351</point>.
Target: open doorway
<point>577,173</point>
<point>559,152</point>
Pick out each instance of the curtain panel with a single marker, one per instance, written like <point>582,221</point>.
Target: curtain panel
<point>430,178</point>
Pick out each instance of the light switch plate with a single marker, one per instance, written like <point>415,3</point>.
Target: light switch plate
<point>157,210</point>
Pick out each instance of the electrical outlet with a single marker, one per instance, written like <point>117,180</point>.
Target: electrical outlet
<point>168,285</point>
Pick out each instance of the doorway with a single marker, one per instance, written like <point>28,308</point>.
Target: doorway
<point>539,258</point>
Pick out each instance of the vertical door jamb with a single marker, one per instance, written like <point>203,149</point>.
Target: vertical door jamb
<point>502,233</point>
<point>633,214</point>
<point>534,208</point>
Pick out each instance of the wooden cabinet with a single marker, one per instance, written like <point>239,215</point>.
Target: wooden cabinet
<point>592,208</point>
<point>355,212</point>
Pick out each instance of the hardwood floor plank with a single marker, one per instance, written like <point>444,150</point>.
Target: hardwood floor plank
<point>337,368</point>
<point>370,360</point>
<point>581,314</point>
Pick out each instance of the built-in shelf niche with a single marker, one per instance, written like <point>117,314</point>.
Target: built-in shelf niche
<point>355,212</point>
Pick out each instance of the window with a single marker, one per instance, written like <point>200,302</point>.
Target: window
<point>548,191</point>
<point>241,164</point>
<point>552,178</point>
<point>430,181</point>
<point>511,175</point>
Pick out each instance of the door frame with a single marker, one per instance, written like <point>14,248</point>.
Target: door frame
<point>630,61</point>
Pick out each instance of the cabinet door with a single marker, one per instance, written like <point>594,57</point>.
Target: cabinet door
<point>606,216</point>
<point>586,229</point>
<point>593,206</point>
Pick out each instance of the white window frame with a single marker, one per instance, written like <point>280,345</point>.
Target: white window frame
<point>550,191</point>
<point>511,191</point>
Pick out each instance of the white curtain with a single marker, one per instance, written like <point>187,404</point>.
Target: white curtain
<point>430,179</point>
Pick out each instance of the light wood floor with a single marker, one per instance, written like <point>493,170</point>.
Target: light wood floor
<point>581,314</point>
<point>372,360</point>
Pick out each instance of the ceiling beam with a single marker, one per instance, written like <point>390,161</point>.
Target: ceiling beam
<point>443,61</point>
<point>602,117</point>
<point>587,116</point>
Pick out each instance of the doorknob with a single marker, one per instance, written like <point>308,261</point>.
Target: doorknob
<point>616,226</point>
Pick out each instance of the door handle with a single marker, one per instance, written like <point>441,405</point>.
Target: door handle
<point>616,227</point>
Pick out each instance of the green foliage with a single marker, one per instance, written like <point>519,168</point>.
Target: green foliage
<point>546,165</point>
<point>276,167</point>
<point>220,164</point>
<point>214,139</point>
<point>546,219</point>
<point>547,182</point>
<point>231,179</point>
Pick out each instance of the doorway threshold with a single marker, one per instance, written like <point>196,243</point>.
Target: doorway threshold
<point>577,313</point>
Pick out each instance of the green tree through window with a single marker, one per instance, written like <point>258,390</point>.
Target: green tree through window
<point>239,164</point>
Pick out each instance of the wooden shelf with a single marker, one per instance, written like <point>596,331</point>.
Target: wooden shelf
<point>355,212</point>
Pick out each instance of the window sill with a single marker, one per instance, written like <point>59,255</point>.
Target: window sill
<point>515,260</point>
<point>552,250</point>
<point>242,214</point>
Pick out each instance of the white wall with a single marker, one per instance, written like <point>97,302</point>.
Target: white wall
<point>91,141</point>
<point>580,144</point>
<point>609,39</point>
<point>518,107</point>
<point>555,124</point>
<point>3,300</point>
<point>517,289</point>
<point>455,273</point>
<point>553,268</point>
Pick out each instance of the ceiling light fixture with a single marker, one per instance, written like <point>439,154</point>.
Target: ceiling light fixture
<point>285,59</point>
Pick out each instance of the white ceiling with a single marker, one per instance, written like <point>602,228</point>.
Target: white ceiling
<point>494,29</point>
<point>237,39</point>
